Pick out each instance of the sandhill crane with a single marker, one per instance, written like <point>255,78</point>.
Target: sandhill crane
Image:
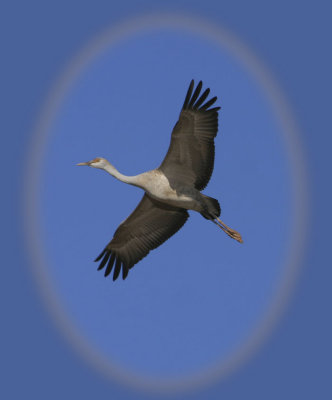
<point>170,190</point>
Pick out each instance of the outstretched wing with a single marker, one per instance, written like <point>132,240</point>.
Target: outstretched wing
<point>190,157</point>
<point>147,227</point>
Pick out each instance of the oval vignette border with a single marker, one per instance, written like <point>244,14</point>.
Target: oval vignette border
<point>291,138</point>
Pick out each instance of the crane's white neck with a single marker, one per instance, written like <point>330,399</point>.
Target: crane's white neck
<point>132,180</point>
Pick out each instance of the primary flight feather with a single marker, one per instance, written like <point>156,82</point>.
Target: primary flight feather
<point>171,189</point>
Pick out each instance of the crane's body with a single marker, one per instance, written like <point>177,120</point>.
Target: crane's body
<point>170,190</point>
<point>156,184</point>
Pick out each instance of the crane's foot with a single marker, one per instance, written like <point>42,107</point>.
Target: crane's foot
<point>229,231</point>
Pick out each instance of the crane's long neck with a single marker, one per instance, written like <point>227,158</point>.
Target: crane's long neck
<point>132,180</point>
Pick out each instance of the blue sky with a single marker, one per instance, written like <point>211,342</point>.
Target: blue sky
<point>176,298</point>
<point>195,301</point>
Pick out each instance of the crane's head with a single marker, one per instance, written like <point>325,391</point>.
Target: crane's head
<point>98,162</point>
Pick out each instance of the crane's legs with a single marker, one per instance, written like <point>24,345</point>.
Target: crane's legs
<point>230,232</point>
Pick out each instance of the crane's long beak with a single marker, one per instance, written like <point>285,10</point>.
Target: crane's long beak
<point>83,163</point>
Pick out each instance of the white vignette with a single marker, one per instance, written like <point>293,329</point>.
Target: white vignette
<point>300,206</point>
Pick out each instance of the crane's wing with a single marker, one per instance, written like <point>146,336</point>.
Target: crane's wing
<point>190,157</point>
<point>147,227</point>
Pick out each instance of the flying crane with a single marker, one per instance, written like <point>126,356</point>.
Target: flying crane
<point>171,189</point>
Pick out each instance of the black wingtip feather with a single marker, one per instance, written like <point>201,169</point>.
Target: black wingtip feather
<point>100,255</point>
<point>104,261</point>
<point>189,92</point>
<point>215,109</point>
<point>196,94</point>
<point>209,103</point>
<point>125,271</point>
<point>202,98</point>
<point>117,269</point>
<point>110,265</point>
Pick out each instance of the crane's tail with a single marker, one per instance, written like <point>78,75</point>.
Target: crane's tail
<point>213,207</point>
<point>212,212</point>
<point>229,231</point>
